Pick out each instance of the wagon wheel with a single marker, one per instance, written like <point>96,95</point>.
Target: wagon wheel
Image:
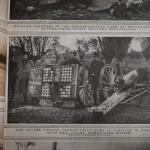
<point>107,76</point>
<point>86,95</point>
<point>106,82</point>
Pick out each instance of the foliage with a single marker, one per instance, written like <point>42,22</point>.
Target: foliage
<point>114,47</point>
<point>146,5</point>
<point>135,54</point>
<point>34,46</point>
<point>144,75</point>
<point>110,47</point>
<point>146,48</point>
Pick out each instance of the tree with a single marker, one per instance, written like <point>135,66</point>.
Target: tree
<point>114,47</point>
<point>34,46</point>
<point>135,54</point>
<point>110,47</point>
<point>146,48</point>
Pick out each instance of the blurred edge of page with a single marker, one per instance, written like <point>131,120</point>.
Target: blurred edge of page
<point>3,9</point>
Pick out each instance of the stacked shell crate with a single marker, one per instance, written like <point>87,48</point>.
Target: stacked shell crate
<point>59,85</point>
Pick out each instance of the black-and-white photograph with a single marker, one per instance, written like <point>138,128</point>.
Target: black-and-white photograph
<point>50,145</point>
<point>78,79</point>
<point>80,10</point>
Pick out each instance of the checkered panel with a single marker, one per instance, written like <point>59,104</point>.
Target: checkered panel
<point>66,75</point>
<point>45,91</point>
<point>36,75</point>
<point>34,90</point>
<point>48,75</point>
<point>65,91</point>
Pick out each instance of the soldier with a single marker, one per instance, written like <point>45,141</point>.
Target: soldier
<point>13,69</point>
<point>94,72</point>
<point>24,73</point>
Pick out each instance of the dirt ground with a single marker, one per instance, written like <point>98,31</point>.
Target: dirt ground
<point>138,113</point>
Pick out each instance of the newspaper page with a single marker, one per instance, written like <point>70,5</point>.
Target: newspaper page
<point>3,44</point>
<point>3,53</point>
<point>85,145</point>
<point>78,75</point>
<point>4,9</point>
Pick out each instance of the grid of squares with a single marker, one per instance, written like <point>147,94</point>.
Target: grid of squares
<point>66,75</point>
<point>65,91</point>
<point>48,75</point>
<point>45,91</point>
<point>35,89</point>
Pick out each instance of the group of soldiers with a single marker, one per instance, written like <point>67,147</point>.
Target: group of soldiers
<point>19,72</point>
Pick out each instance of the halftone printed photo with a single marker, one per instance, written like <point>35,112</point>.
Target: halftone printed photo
<point>78,80</point>
<point>80,10</point>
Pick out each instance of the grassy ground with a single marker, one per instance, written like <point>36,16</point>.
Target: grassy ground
<point>138,113</point>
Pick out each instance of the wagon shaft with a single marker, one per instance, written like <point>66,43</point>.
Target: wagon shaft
<point>116,99</point>
<point>110,103</point>
<point>127,93</point>
<point>134,93</point>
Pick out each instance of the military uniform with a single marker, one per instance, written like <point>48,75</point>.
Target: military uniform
<point>94,72</point>
<point>23,80</point>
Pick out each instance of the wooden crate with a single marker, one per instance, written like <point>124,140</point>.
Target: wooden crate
<point>59,84</point>
<point>35,81</point>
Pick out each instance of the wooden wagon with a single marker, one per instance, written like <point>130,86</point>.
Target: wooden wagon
<point>69,86</point>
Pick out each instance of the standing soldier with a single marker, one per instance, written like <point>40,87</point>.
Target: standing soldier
<point>24,73</point>
<point>94,72</point>
<point>13,69</point>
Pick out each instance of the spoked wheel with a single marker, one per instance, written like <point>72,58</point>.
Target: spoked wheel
<point>106,82</point>
<point>107,76</point>
<point>86,95</point>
